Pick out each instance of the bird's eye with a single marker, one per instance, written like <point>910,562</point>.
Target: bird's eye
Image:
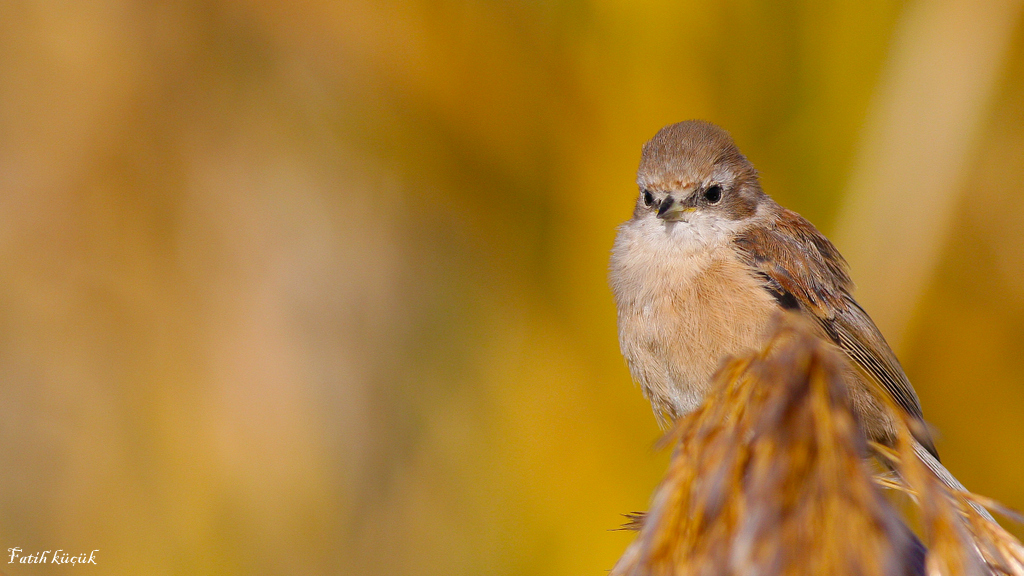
<point>648,198</point>
<point>713,194</point>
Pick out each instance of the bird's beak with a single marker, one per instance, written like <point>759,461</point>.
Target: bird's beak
<point>673,211</point>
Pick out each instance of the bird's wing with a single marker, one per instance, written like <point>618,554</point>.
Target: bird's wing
<point>805,272</point>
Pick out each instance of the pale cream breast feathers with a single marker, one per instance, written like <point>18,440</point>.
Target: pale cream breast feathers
<point>681,311</point>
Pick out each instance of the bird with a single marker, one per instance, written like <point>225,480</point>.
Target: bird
<point>706,262</point>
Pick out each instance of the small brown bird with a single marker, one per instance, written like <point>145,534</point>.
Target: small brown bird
<point>706,261</point>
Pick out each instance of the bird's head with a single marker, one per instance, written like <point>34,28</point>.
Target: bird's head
<point>692,172</point>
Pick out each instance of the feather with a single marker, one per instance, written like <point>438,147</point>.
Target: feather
<point>804,271</point>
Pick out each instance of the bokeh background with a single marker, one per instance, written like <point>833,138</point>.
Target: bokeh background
<point>319,287</point>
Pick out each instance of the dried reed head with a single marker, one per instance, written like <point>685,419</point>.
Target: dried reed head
<point>769,478</point>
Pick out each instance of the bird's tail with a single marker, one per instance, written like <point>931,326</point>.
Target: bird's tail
<point>946,477</point>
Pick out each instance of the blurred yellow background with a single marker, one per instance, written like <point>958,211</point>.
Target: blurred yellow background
<point>320,288</point>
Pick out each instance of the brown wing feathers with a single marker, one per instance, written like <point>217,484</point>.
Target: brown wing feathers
<point>798,260</point>
<point>803,270</point>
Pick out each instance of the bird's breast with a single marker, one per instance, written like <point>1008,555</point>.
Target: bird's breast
<point>680,312</point>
